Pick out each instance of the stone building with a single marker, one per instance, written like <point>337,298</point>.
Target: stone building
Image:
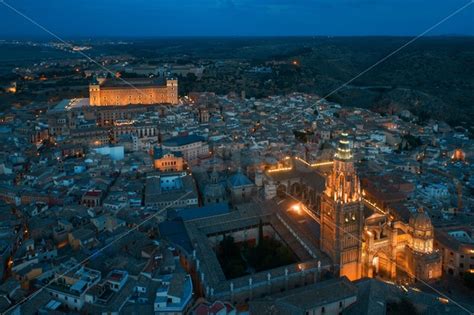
<point>214,191</point>
<point>172,190</point>
<point>456,244</point>
<point>367,242</point>
<point>342,214</point>
<point>392,246</point>
<point>92,198</point>
<point>108,115</point>
<point>191,147</point>
<point>114,92</point>
<point>362,240</point>
<point>167,161</point>
<point>146,132</point>
<point>326,297</point>
<point>204,115</point>
<point>241,187</point>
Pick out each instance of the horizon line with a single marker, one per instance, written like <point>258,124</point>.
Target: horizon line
<point>131,37</point>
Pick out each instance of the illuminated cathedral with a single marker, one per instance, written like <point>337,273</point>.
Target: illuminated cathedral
<point>342,214</point>
<point>365,242</point>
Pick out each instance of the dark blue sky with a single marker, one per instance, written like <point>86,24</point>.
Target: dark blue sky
<point>129,18</point>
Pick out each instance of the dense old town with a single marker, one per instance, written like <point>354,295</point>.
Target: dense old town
<point>236,157</point>
<point>135,199</point>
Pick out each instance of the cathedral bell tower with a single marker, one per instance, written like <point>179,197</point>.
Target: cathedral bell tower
<point>342,215</point>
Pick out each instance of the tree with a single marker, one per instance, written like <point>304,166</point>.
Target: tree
<point>268,254</point>
<point>468,278</point>
<point>228,248</point>
<point>229,256</point>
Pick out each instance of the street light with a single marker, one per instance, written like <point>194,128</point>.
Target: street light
<point>296,208</point>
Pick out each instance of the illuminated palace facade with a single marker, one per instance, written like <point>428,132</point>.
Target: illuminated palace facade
<point>116,92</point>
<point>365,242</point>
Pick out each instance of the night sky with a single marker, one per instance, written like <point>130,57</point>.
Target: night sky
<point>148,18</point>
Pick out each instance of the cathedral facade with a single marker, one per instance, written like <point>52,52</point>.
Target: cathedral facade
<point>342,214</point>
<point>365,242</point>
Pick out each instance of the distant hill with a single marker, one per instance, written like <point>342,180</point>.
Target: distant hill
<point>433,77</point>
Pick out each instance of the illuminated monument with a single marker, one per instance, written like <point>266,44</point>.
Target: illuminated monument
<point>361,239</point>
<point>377,244</point>
<point>342,216</point>
<point>116,92</point>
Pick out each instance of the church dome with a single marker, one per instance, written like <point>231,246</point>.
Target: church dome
<point>239,180</point>
<point>422,232</point>
<point>420,221</point>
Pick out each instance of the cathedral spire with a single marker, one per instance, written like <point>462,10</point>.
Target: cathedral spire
<point>343,183</point>
<point>343,152</point>
<point>342,213</point>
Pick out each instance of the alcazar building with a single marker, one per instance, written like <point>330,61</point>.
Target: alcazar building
<point>116,92</point>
